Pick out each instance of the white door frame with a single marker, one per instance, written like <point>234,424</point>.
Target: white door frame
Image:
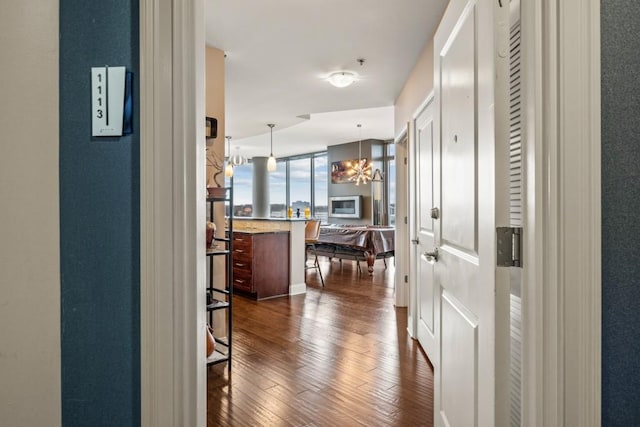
<point>401,239</point>
<point>562,253</point>
<point>562,291</point>
<point>411,202</point>
<point>173,367</point>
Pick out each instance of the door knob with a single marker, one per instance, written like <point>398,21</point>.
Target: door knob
<point>435,213</point>
<point>431,256</point>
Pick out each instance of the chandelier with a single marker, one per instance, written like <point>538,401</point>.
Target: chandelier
<point>361,171</point>
<point>237,159</point>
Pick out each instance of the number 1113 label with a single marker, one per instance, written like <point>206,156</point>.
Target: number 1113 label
<point>107,100</point>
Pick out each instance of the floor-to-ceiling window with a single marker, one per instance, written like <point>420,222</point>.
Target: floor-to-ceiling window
<point>278,191</point>
<point>300,184</point>
<point>390,166</point>
<point>242,190</point>
<point>320,187</point>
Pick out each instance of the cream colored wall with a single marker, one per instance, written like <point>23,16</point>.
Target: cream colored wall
<point>414,92</point>
<point>214,64</point>
<point>29,221</point>
<point>416,88</point>
<point>214,98</point>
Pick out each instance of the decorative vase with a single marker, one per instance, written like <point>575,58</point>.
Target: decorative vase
<point>211,342</point>
<point>211,231</point>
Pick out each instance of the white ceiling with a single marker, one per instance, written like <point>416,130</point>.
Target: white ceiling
<point>280,51</point>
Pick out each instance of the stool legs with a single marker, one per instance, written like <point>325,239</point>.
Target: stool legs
<point>316,263</point>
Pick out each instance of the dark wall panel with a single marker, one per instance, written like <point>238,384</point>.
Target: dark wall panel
<point>99,224</point>
<point>620,212</point>
<point>349,151</point>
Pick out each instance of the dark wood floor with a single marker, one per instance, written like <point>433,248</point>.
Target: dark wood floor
<point>337,356</point>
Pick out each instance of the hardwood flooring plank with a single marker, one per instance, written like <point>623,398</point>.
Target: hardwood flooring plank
<point>337,356</point>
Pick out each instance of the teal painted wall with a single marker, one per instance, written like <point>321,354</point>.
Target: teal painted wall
<point>99,224</point>
<point>620,212</point>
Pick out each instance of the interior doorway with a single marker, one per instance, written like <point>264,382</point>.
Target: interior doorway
<point>177,397</point>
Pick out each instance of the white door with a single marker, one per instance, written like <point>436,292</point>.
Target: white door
<point>427,294</point>
<point>471,185</point>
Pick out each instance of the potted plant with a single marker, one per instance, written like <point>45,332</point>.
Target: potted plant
<point>216,163</point>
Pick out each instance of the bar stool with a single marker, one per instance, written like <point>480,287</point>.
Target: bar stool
<point>311,234</point>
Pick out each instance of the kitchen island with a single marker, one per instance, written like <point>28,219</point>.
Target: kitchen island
<point>268,256</point>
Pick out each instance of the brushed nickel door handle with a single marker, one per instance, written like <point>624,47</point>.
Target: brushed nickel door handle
<point>431,256</point>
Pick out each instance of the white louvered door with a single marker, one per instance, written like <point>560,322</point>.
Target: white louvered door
<point>515,215</point>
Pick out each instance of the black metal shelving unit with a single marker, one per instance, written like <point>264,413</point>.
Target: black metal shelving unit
<point>221,298</point>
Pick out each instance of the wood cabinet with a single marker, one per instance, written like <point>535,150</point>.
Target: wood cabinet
<point>261,263</point>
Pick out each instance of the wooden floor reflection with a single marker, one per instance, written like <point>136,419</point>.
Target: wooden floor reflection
<point>337,356</point>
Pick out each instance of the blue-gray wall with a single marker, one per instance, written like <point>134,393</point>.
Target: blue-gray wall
<point>371,149</point>
<point>620,26</point>
<point>99,224</point>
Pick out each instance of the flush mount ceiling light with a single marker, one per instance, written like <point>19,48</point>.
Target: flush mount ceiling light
<point>342,78</point>
<point>271,163</point>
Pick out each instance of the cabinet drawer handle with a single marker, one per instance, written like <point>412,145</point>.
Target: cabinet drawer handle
<point>239,240</point>
<point>239,281</point>
<point>239,250</point>
<point>239,265</point>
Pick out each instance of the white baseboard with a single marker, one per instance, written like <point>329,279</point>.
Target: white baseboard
<point>298,288</point>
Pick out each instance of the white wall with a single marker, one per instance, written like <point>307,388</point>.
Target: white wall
<point>29,215</point>
<point>415,90</point>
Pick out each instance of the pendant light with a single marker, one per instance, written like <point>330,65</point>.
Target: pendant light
<point>271,163</point>
<point>228,169</point>
<point>238,159</point>
<point>361,171</point>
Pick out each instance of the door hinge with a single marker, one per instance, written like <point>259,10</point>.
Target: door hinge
<point>509,246</point>
<point>406,279</point>
<point>406,221</point>
<point>405,160</point>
